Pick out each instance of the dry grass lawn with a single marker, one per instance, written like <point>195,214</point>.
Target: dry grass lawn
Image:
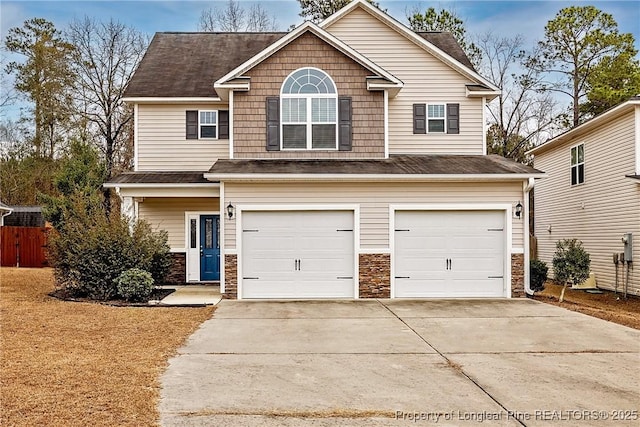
<point>69,363</point>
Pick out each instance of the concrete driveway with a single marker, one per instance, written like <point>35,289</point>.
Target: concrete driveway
<point>398,362</point>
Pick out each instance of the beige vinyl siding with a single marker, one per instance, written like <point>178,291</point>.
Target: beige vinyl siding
<point>426,80</point>
<point>597,212</point>
<point>374,201</point>
<point>162,143</point>
<point>167,213</point>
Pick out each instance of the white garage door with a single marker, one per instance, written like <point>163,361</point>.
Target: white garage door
<point>297,254</point>
<point>444,254</point>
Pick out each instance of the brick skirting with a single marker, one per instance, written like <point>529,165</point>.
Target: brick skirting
<point>375,275</point>
<point>230,277</point>
<point>517,276</point>
<point>178,269</point>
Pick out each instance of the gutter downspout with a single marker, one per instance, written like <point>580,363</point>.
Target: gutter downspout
<point>527,274</point>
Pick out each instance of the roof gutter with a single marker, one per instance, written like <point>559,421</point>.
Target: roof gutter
<point>368,177</point>
<point>117,185</point>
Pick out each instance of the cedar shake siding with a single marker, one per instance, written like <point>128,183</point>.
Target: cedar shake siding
<point>249,131</point>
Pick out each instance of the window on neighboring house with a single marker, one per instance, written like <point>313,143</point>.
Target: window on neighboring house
<point>436,118</point>
<point>208,124</point>
<point>577,164</point>
<point>309,111</point>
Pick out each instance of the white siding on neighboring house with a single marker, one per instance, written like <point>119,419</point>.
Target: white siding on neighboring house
<point>599,211</point>
<point>168,214</point>
<point>162,143</point>
<point>426,80</point>
<point>374,201</point>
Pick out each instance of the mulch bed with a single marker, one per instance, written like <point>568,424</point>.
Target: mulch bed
<point>157,295</point>
<point>607,305</point>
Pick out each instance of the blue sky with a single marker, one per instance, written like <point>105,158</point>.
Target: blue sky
<point>506,18</point>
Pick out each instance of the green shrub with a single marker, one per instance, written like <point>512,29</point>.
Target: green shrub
<point>134,285</point>
<point>538,272</point>
<point>571,262</point>
<point>92,250</point>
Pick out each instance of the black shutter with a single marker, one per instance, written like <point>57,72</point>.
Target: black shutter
<point>273,123</point>
<point>453,118</point>
<point>223,124</point>
<point>345,128</point>
<point>192,125</point>
<point>419,118</point>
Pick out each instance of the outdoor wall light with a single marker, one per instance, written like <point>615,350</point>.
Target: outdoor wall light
<point>519,210</point>
<point>230,210</point>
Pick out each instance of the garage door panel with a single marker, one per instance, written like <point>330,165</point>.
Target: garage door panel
<point>298,254</point>
<point>449,254</point>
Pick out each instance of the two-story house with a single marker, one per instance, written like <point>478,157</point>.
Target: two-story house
<point>593,194</point>
<point>340,160</point>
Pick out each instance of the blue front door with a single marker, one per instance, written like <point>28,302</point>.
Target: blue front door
<point>209,247</point>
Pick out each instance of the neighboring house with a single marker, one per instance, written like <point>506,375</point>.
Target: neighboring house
<point>340,160</point>
<point>4,211</point>
<point>593,192</point>
<point>25,216</point>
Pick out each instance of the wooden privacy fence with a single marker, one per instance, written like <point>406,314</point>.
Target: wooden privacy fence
<point>23,246</point>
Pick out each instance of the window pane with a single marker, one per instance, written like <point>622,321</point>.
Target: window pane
<point>323,110</point>
<point>193,233</point>
<point>580,174</point>
<point>574,175</point>
<point>208,233</point>
<point>574,156</point>
<point>208,117</point>
<point>323,136</point>
<point>294,110</point>
<point>436,111</point>
<point>294,136</point>
<point>207,131</point>
<point>436,125</point>
<point>580,153</point>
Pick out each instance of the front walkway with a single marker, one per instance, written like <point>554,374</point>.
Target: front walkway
<point>395,362</point>
<point>193,295</point>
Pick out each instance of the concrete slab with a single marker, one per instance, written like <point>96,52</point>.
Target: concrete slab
<point>312,309</point>
<point>317,385</point>
<point>534,334</point>
<point>303,335</point>
<point>193,295</point>
<point>561,389</point>
<point>465,308</point>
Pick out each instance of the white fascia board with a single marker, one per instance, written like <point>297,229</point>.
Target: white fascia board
<point>322,34</point>
<point>391,88</point>
<point>586,126</point>
<point>489,94</point>
<point>164,185</point>
<point>169,192</point>
<point>173,100</point>
<point>393,23</point>
<point>371,178</point>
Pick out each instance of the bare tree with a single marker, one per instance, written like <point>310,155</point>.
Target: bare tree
<point>107,54</point>
<point>233,17</point>
<point>521,116</point>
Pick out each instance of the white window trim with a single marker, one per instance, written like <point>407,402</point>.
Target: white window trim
<point>309,122</point>
<point>571,165</point>
<point>200,124</point>
<point>444,104</point>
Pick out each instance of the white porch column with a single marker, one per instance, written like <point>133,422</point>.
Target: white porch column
<point>128,209</point>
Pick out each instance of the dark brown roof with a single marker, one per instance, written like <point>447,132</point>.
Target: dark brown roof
<point>187,64</point>
<point>394,165</point>
<point>446,42</point>
<point>633,176</point>
<point>159,178</point>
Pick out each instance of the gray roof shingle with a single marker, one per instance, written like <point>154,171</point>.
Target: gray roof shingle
<point>159,178</point>
<point>187,64</point>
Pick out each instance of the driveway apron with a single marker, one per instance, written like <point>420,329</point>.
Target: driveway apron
<point>396,362</point>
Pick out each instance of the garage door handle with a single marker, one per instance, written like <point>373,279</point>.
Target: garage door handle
<point>344,278</point>
<point>403,277</point>
<point>250,278</point>
<point>496,277</point>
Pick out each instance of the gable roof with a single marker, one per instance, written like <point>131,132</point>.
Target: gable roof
<point>589,125</point>
<point>323,35</point>
<point>187,64</point>
<point>444,55</point>
<point>445,41</point>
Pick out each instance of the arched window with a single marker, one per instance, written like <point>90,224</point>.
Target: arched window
<point>309,105</point>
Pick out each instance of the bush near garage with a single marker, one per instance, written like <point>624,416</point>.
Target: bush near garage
<point>135,285</point>
<point>92,250</point>
<point>539,271</point>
